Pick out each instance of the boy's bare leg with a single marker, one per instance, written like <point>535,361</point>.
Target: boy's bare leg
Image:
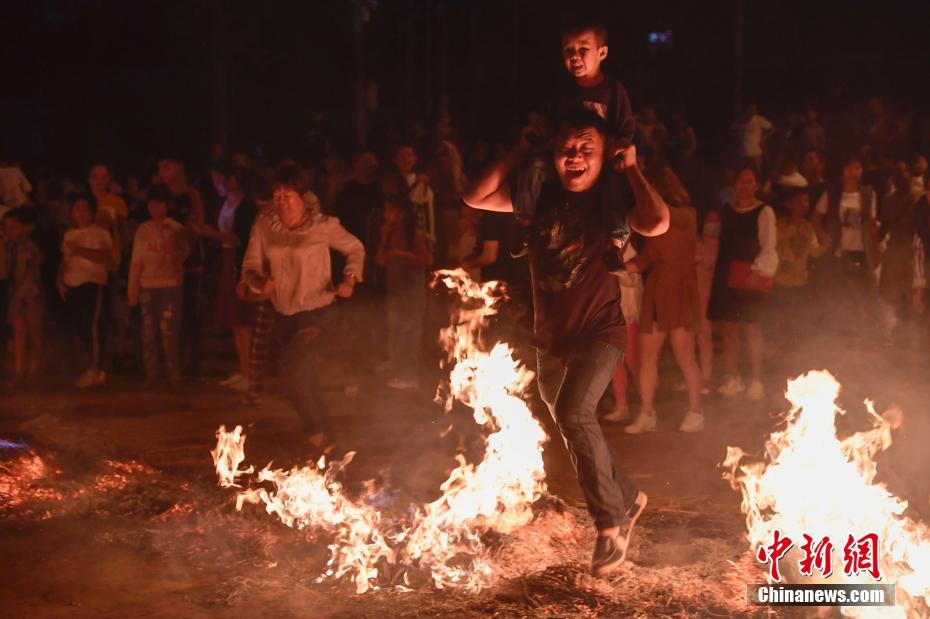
<point>19,349</point>
<point>34,327</point>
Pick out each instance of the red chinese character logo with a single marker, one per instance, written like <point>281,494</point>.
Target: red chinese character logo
<point>819,555</point>
<point>771,554</point>
<point>861,555</point>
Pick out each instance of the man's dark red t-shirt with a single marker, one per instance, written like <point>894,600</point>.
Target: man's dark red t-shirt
<point>576,299</point>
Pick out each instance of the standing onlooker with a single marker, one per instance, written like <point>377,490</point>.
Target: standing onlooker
<point>684,140</point>
<point>752,130</point>
<point>156,281</point>
<point>706,258</point>
<point>671,307</point>
<point>921,242</point>
<point>233,227</point>
<point>82,279</point>
<point>846,222</point>
<point>14,186</point>
<point>898,226</point>
<point>186,208</point>
<point>112,215</point>
<point>27,303</point>
<point>466,238</point>
<point>404,253</point>
<point>359,199</point>
<point>813,137</point>
<point>746,264</point>
<point>447,177</point>
<point>651,135</point>
<point>631,302</point>
<point>418,190</point>
<point>288,260</point>
<point>918,176</point>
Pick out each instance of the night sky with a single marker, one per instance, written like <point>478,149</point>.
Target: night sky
<point>123,80</point>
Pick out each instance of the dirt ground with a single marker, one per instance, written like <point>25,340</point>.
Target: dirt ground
<point>113,509</point>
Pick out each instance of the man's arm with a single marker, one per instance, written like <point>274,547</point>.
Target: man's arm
<point>490,191</point>
<point>488,256</point>
<point>650,212</point>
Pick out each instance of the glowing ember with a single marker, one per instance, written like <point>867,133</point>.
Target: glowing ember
<point>443,537</point>
<point>18,478</point>
<point>811,482</point>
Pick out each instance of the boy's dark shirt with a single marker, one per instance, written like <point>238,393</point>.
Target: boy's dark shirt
<point>576,299</point>
<point>608,99</point>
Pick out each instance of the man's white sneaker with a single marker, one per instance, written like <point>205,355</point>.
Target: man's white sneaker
<point>231,379</point>
<point>403,384</point>
<point>756,391</point>
<point>732,385</point>
<point>618,414</point>
<point>87,379</point>
<point>693,422</point>
<point>645,422</point>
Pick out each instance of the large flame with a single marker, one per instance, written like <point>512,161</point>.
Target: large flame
<point>810,481</point>
<point>443,537</point>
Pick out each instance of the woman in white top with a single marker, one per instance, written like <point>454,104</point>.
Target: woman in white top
<point>82,277</point>
<point>288,262</point>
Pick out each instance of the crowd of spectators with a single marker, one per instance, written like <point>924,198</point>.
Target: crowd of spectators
<point>105,276</point>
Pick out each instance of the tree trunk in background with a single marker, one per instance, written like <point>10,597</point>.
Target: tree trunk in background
<point>443,58</point>
<point>738,58</point>
<point>515,60</point>
<point>220,85</point>
<point>475,75</point>
<point>428,62</point>
<point>359,17</point>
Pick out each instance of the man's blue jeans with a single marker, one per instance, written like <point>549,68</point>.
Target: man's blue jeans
<point>571,386</point>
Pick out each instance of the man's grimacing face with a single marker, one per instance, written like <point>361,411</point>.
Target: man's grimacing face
<point>579,157</point>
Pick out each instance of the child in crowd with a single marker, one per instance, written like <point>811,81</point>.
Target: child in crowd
<point>155,279</point>
<point>796,243</point>
<point>26,310</point>
<point>404,253</point>
<point>86,252</point>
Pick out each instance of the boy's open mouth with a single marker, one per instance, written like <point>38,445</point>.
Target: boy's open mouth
<point>573,173</point>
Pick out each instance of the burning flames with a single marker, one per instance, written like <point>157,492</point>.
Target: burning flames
<point>443,537</point>
<point>809,481</point>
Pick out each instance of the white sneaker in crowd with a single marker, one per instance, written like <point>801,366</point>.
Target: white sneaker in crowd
<point>236,381</point>
<point>90,378</point>
<point>693,422</point>
<point>618,414</point>
<point>732,385</point>
<point>403,384</point>
<point>645,422</point>
<point>382,367</point>
<point>756,391</point>
<point>229,380</point>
